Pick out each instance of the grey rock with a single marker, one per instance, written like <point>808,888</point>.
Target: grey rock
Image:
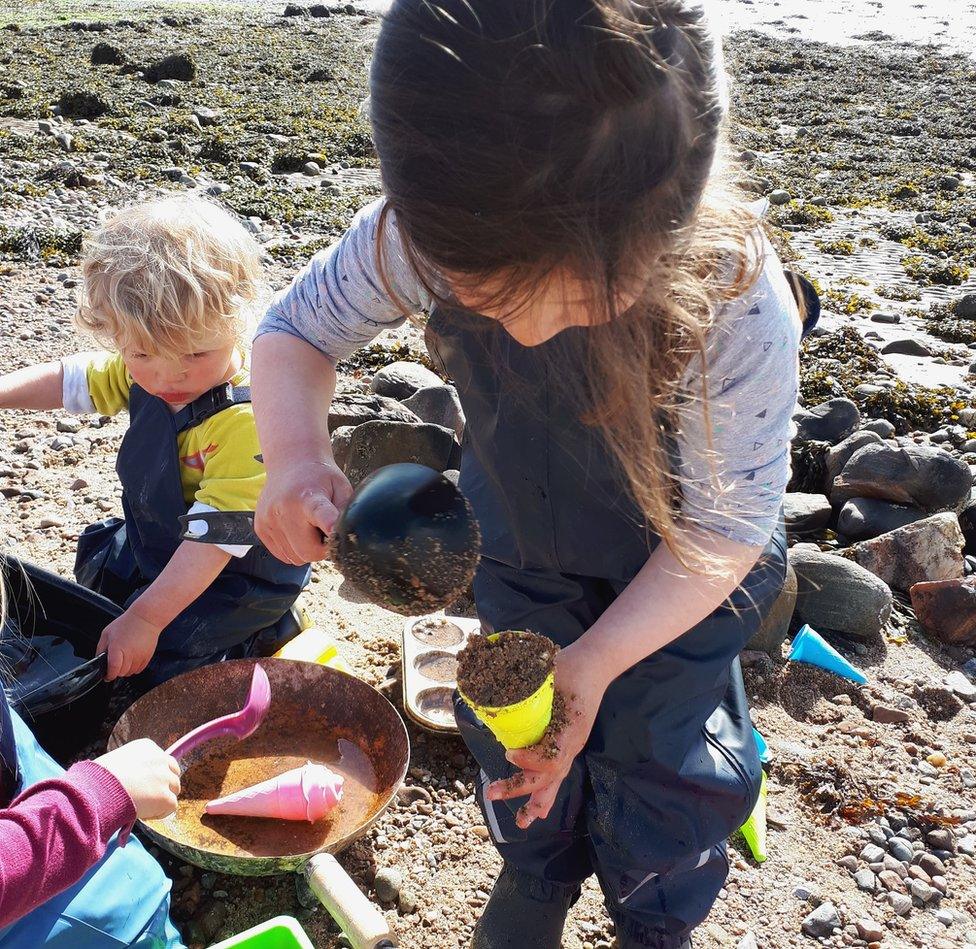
<point>864,518</point>
<point>452,475</point>
<point>806,513</point>
<point>839,455</point>
<point>340,444</point>
<point>775,624</point>
<point>311,169</point>
<point>829,422</point>
<point>922,891</point>
<point>900,903</point>
<point>960,683</point>
<point>930,549</point>
<point>965,307</point>
<point>949,183</point>
<point>387,884</point>
<point>869,930</point>
<point>355,408</point>
<point>881,427</point>
<point>900,849</point>
<point>931,864</point>
<point>400,380</point>
<point>872,853</point>
<point>439,405</point>
<point>206,116</point>
<point>779,196</point>
<point>180,66</point>
<point>834,593</point>
<point>890,318</point>
<point>906,347</point>
<point>379,443</point>
<point>69,425</point>
<point>407,903</point>
<point>918,475</point>
<point>941,839</point>
<point>866,880</point>
<point>105,54</point>
<point>822,921</point>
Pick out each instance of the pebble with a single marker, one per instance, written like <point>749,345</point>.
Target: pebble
<point>936,759</point>
<point>941,839</point>
<point>779,196</point>
<point>960,683</point>
<point>900,903</point>
<point>900,849</point>
<point>407,902</point>
<point>70,425</point>
<point>823,920</point>
<point>869,930</point>
<point>872,854</point>
<point>46,522</point>
<point>387,884</point>
<point>866,881</point>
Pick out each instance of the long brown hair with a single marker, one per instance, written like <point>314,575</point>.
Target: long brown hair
<point>523,138</point>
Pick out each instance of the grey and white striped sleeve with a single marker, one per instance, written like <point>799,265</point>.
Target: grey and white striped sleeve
<point>337,302</point>
<point>734,471</point>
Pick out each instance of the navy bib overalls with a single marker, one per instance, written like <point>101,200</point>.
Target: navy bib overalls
<point>120,558</point>
<point>121,901</point>
<point>670,769</point>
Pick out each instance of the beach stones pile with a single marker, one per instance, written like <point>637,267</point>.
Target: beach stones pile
<point>903,867</point>
<point>892,515</point>
<point>405,413</point>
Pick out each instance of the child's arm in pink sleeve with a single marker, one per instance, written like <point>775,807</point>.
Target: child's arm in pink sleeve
<point>53,832</point>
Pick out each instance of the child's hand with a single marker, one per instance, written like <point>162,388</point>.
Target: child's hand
<point>149,775</point>
<point>130,642</point>
<point>579,680</point>
<point>298,507</point>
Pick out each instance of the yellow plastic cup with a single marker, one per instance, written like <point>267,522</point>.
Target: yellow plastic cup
<point>314,645</point>
<point>521,724</point>
<point>754,829</point>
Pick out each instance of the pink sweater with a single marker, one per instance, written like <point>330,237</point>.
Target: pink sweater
<point>53,832</point>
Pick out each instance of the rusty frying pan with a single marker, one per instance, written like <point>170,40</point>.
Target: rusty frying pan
<point>317,714</point>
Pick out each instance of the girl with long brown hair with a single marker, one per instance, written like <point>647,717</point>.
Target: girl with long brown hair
<point>624,344</point>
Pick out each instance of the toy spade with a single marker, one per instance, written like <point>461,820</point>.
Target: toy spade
<point>754,829</point>
<point>408,538</point>
<point>237,725</point>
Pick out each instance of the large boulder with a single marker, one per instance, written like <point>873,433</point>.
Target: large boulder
<point>839,455</point>
<point>400,380</point>
<point>967,521</point>
<point>179,66</point>
<point>929,549</point>
<point>838,595</point>
<point>829,422</point>
<point>947,609</point>
<point>355,408</point>
<point>806,513</point>
<point>919,475</point>
<point>375,444</point>
<point>775,626</point>
<point>438,405</point>
<point>864,518</point>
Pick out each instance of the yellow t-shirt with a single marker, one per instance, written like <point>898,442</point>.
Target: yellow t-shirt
<point>220,462</point>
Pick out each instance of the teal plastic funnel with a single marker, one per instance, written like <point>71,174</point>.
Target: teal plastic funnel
<point>809,646</point>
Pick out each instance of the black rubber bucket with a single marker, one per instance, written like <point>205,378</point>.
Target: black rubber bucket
<point>48,665</point>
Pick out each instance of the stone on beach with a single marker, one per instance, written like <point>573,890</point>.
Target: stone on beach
<point>836,594</point>
<point>375,444</point>
<point>829,422</point>
<point>400,380</point>
<point>926,477</point>
<point>864,518</point>
<point>929,549</point>
<point>775,625</point>
<point>946,609</point>
<point>839,455</point>
<point>355,408</point>
<point>438,405</point>
<point>806,513</point>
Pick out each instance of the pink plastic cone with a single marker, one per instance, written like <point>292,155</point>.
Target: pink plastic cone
<point>306,793</point>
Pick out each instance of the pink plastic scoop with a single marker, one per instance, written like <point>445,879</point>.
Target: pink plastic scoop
<point>306,793</point>
<point>239,725</point>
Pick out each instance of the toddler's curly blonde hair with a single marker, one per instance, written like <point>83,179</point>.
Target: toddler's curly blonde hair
<point>169,277</point>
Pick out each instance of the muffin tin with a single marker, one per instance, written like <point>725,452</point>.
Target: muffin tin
<point>429,654</point>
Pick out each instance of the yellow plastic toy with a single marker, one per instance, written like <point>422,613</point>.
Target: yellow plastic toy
<point>521,724</point>
<point>754,829</point>
<point>314,645</point>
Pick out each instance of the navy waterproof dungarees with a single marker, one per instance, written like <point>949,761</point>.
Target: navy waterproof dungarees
<point>119,559</point>
<point>670,769</point>
<point>121,901</point>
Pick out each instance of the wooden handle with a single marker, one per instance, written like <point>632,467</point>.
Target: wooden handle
<point>358,918</point>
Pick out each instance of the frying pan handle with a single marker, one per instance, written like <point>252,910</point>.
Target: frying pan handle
<point>358,918</point>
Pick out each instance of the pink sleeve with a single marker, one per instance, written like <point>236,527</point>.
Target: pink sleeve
<point>53,832</point>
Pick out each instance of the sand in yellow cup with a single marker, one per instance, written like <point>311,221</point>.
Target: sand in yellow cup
<point>521,724</point>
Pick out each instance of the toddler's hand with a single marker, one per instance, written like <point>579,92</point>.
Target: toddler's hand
<point>298,507</point>
<point>130,642</point>
<point>149,775</point>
